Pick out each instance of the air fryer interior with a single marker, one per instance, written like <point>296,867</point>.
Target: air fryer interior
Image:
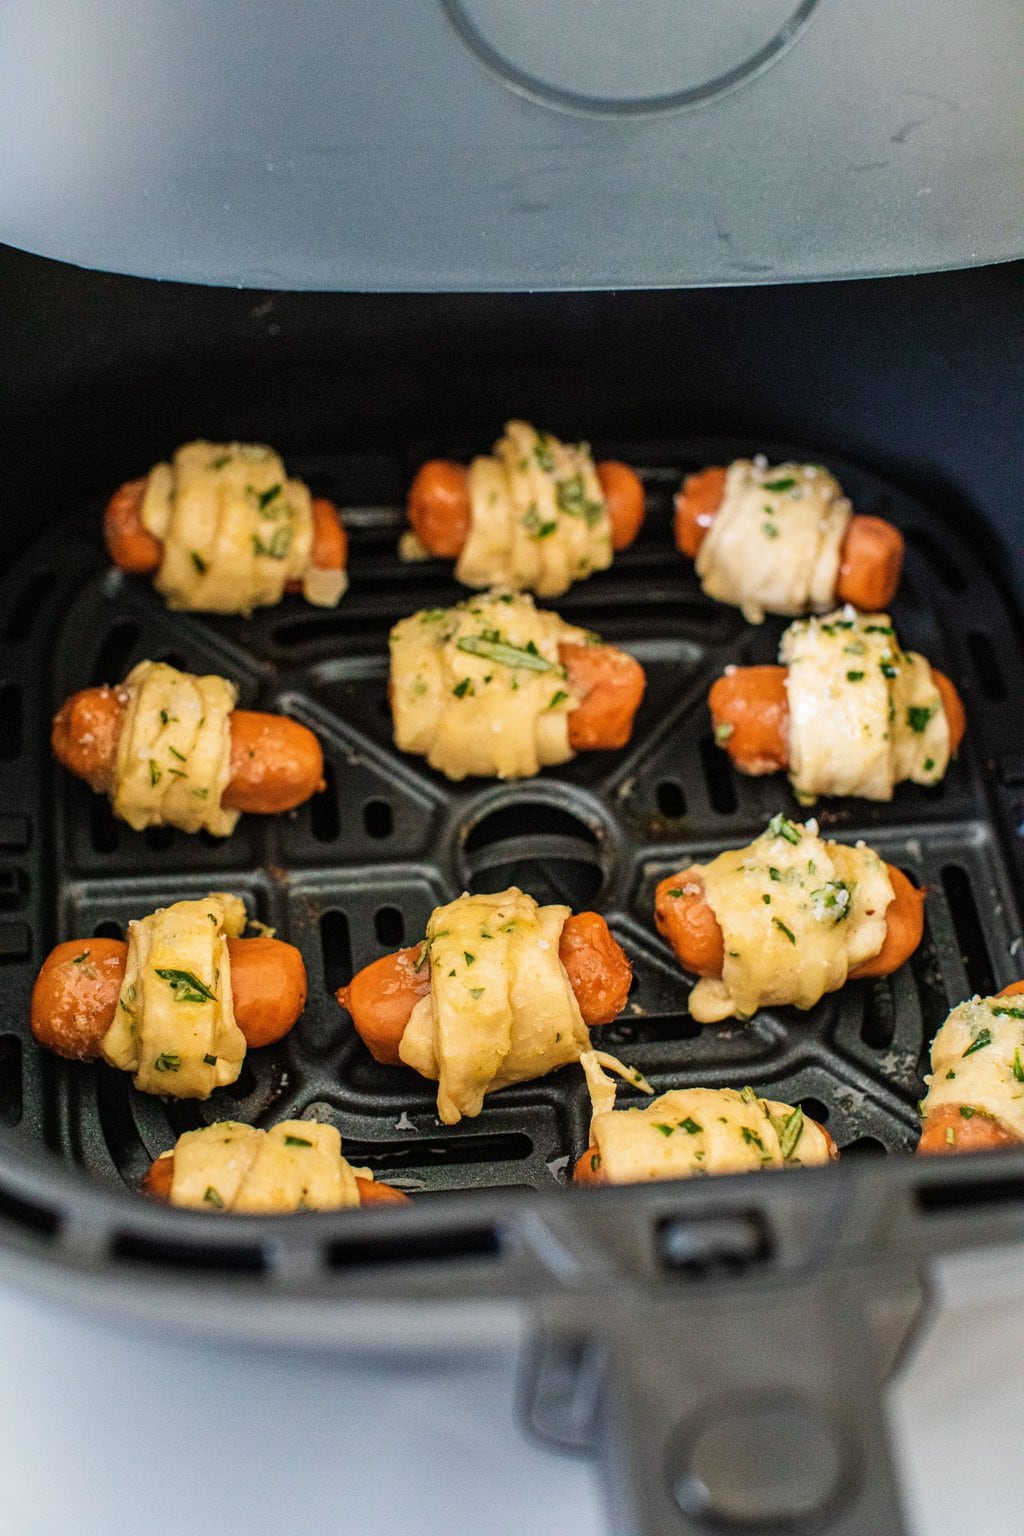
<point>910,390</point>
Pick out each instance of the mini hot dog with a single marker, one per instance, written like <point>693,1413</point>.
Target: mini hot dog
<point>785,920</point>
<point>225,530</point>
<point>975,1098</point>
<point>497,688</point>
<point>690,1132</point>
<point>499,978</point>
<point>768,564</point>
<point>83,988</point>
<point>867,713</point>
<point>272,764</point>
<point>537,516</point>
<point>295,1166</point>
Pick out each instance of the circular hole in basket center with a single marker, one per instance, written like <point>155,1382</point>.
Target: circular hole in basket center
<point>547,850</point>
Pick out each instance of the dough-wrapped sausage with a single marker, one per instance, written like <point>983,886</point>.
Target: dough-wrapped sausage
<point>295,1166</point>
<point>786,541</point>
<point>225,530</point>
<point>537,516</point>
<point>690,1132</point>
<point>785,920</point>
<point>501,991</point>
<point>975,1098</point>
<point>852,713</point>
<point>201,980</point>
<point>272,763</point>
<point>498,688</point>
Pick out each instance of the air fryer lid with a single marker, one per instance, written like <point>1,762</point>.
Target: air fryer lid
<point>488,144</point>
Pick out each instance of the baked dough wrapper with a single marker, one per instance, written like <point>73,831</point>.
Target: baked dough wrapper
<point>797,913</point>
<point>689,1132</point>
<point>864,715</point>
<point>479,689</point>
<point>174,1026</point>
<point>294,1166</point>
<point>538,518</point>
<point>235,530</point>
<point>775,543</point>
<point>978,1061</point>
<point>501,1009</point>
<point>174,752</point>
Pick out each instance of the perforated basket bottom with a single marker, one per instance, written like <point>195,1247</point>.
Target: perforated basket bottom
<point>356,872</point>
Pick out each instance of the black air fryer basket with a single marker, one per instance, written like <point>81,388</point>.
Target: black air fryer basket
<point>642,1302</point>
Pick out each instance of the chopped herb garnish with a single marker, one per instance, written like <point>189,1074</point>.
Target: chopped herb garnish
<point>476,992</point>
<point>887,669</point>
<point>690,1125</point>
<point>981,1039</point>
<point>791,1132</point>
<point>950,1073</point>
<point>780,827</point>
<point>187,987</point>
<point>748,1096</point>
<point>918,716</point>
<point>175,753</point>
<point>785,484</point>
<point>167,1061</point>
<point>595,1161</point>
<point>751,1138</point>
<point>80,958</point>
<point>468,957</point>
<point>666,1130</point>
<point>506,655</point>
<point>929,764</point>
<point>264,498</point>
<point>558,697</point>
<point>878,629</point>
<point>967,1110</point>
<point>769,530</point>
<point>542,452</point>
<point>297,1141</point>
<point>1018,1068</point>
<point>198,561</point>
<point>854,677</point>
<point>154,773</point>
<point>780,925</point>
<point>200,794</point>
<point>767,900</point>
<point>421,955</point>
<point>463,688</point>
<point>210,1061</point>
<point>276,547</point>
<point>573,500</point>
<point>213,1197</point>
<point>773,872</point>
<point>723,731</point>
<point>220,461</point>
<point>1007,1013</point>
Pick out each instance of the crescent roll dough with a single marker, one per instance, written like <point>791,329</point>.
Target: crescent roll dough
<point>500,1009</point>
<point>538,515</point>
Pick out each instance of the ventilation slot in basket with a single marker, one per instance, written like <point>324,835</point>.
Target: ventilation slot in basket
<point>969,931</point>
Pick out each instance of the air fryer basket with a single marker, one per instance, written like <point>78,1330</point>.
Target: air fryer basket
<point>355,873</point>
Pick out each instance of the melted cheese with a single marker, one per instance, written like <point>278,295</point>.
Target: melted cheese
<point>479,689</point>
<point>500,1009</point>
<point>796,913</point>
<point>978,1061</point>
<point>774,545</point>
<point>295,1166</point>
<point>174,752</point>
<point>538,516</point>
<point>235,530</point>
<point>692,1131</point>
<point>174,1026</point>
<point>863,714</point>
